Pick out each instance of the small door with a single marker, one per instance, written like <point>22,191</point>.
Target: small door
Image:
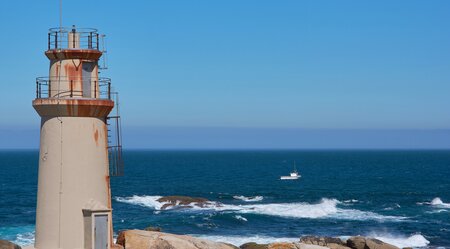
<point>88,67</point>
<point>101,231</point>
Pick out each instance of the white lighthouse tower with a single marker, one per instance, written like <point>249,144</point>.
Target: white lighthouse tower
<point>74,195</point>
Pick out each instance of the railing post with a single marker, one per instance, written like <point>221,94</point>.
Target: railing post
<point>95,89</point>
<point>71,88</point>
<point>73,39</point>
<point>56,39</point>
<point>37,89</point>
<point>109,90</point>
<point>49,36</point>
<point>90,40</point>
<point>97,42</point>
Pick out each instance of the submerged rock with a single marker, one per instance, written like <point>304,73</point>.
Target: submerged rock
<point>360,242</point>
<point>139,239</point>
<point>183,202</point>
<point>4,244</point>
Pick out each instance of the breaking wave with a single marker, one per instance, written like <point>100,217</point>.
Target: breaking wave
<point>416,240</point>
<point>326,208</point>
<point>21,235</point>
<point>239,240</point>
<point>239,217</point>
<point>437,202</point>
<point>248,199</point>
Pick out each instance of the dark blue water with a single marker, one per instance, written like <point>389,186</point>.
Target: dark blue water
<point>391,195</point>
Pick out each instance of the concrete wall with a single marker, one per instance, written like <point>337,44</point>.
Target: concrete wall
<point>73,176</point>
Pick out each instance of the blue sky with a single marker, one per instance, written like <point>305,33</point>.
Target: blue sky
<point>249,74</point>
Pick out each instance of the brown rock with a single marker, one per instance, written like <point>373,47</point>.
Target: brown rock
<point>282,245</point>
<point>139,239</point>
<point>116,246</point>
<point>154,229</point>
<point>330,242</point>
<point>378,244</point>
<point>4,244</point>
<point>253,245</point>
<point>321,241</point>
<point>360,242</point>
<point>357,242</point>
<point>182,201</point>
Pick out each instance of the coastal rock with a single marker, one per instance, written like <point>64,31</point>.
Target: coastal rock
<point>309,246</point>
<point>153,229</point>
<point>330,242</point>
<point>4,244</point>
<point>378,244</point>
<point>182,202</point>
<point>282,245</point>
<point>253,245</point>
<point>357,242</point>
<point>139,239</point>
<point>360,242</point>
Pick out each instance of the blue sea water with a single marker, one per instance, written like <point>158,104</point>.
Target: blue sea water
<point>401,197</point>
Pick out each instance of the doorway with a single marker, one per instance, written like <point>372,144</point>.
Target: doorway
<point>101,231</point>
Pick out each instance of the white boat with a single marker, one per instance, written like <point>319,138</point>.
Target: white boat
<point>293,176</point>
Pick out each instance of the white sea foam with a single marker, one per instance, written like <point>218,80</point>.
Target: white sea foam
<point>416,240</point>
<point>239,217</point>
<point>239,240</point>
<point>24,239</point>
<point>351,201</point>
<point>248,199</point>
<point>145,201</point>
<point>437,202</point>
<point>326,208</point>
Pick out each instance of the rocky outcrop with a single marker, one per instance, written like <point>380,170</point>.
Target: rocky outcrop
<point>139,239</point>
<point>280,245</point>
<point>183,202</point>
<point>330,242</point>
<point>360,242</point>
<point>4,244</point>
<point>253,245</point>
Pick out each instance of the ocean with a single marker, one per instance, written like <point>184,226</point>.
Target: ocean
<point>400,197</point>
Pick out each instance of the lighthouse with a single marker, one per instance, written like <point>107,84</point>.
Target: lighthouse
<point>76,155</point>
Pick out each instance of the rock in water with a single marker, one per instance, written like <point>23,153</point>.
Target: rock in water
<point>360,242</point>
<point>330,242</point>
<point>139,239</point>
<point>182,201</point>
<point>4,244</point>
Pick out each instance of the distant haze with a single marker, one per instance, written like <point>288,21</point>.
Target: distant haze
<point>252,138</point>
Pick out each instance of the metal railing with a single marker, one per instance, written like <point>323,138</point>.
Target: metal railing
<point>73,38</point>
<point>62,87</point>
<point>115,157</point>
